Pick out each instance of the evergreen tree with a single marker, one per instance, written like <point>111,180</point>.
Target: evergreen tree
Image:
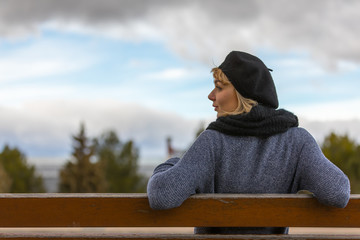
<point>119,162</point>
<point>22,177</point>
<point>81,175</point>
<point>5,180</point>
<point>345,154</point>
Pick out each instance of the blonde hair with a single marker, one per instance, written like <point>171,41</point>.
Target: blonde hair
<point>244,104</point>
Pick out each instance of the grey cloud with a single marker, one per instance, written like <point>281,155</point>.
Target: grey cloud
<point>90,11</point>
<point>203,30</point>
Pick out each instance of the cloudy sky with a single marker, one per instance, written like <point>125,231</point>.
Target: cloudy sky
<point>142,68</point>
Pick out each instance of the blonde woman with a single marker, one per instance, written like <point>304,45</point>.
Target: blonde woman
<point>252,147</point>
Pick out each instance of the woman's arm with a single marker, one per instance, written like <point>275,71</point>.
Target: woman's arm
<point>177,179</point>
<point>321,177</point>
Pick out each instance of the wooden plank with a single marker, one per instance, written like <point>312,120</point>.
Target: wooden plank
<point>132,210</point>
<point>80,236</point>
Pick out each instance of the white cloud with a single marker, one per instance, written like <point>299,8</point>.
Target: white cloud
<point>320,129</point>
<point>329,111</point>
<point>169,74</point>
<point>15,96</point>
<point>21,69</point>
<point>41,128</point>
<point>42,59</point>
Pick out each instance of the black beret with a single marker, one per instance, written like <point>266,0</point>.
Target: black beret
<point>250,77</point>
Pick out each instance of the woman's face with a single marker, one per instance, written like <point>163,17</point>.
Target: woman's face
<point>224,98</point>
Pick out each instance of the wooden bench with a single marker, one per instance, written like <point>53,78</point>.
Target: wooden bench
<point>54,216</point>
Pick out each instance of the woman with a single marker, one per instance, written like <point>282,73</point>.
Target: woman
<point>251,148</point>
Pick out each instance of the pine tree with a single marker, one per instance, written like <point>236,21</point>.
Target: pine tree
<point>5,180</point>
<point>345,154</point>
<point>119,162</point>
<point>81,175</point>
<point>21,176</point>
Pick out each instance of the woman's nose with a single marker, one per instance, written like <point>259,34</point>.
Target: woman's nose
<point>211,96</point>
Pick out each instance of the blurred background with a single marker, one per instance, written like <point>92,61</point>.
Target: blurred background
<point>125,82</point>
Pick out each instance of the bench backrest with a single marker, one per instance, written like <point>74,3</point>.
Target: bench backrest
<point>132,210</point>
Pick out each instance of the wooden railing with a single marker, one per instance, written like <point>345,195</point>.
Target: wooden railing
<point>33,211</point>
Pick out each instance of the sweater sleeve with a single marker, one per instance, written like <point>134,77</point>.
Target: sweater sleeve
<point>177,179</point>
<point>320,176</point>
<point>166,165</point>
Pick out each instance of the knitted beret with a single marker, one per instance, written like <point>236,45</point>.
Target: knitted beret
<point>250,77</point>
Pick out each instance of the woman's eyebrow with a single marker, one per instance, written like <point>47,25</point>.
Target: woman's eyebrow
<point>217,81</point>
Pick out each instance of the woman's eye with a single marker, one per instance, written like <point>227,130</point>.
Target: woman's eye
<point>219,88</point>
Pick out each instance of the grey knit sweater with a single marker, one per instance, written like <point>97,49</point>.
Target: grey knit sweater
<point>219,163</point>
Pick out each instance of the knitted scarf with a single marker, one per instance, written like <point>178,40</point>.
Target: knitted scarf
<point>261,121</point>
